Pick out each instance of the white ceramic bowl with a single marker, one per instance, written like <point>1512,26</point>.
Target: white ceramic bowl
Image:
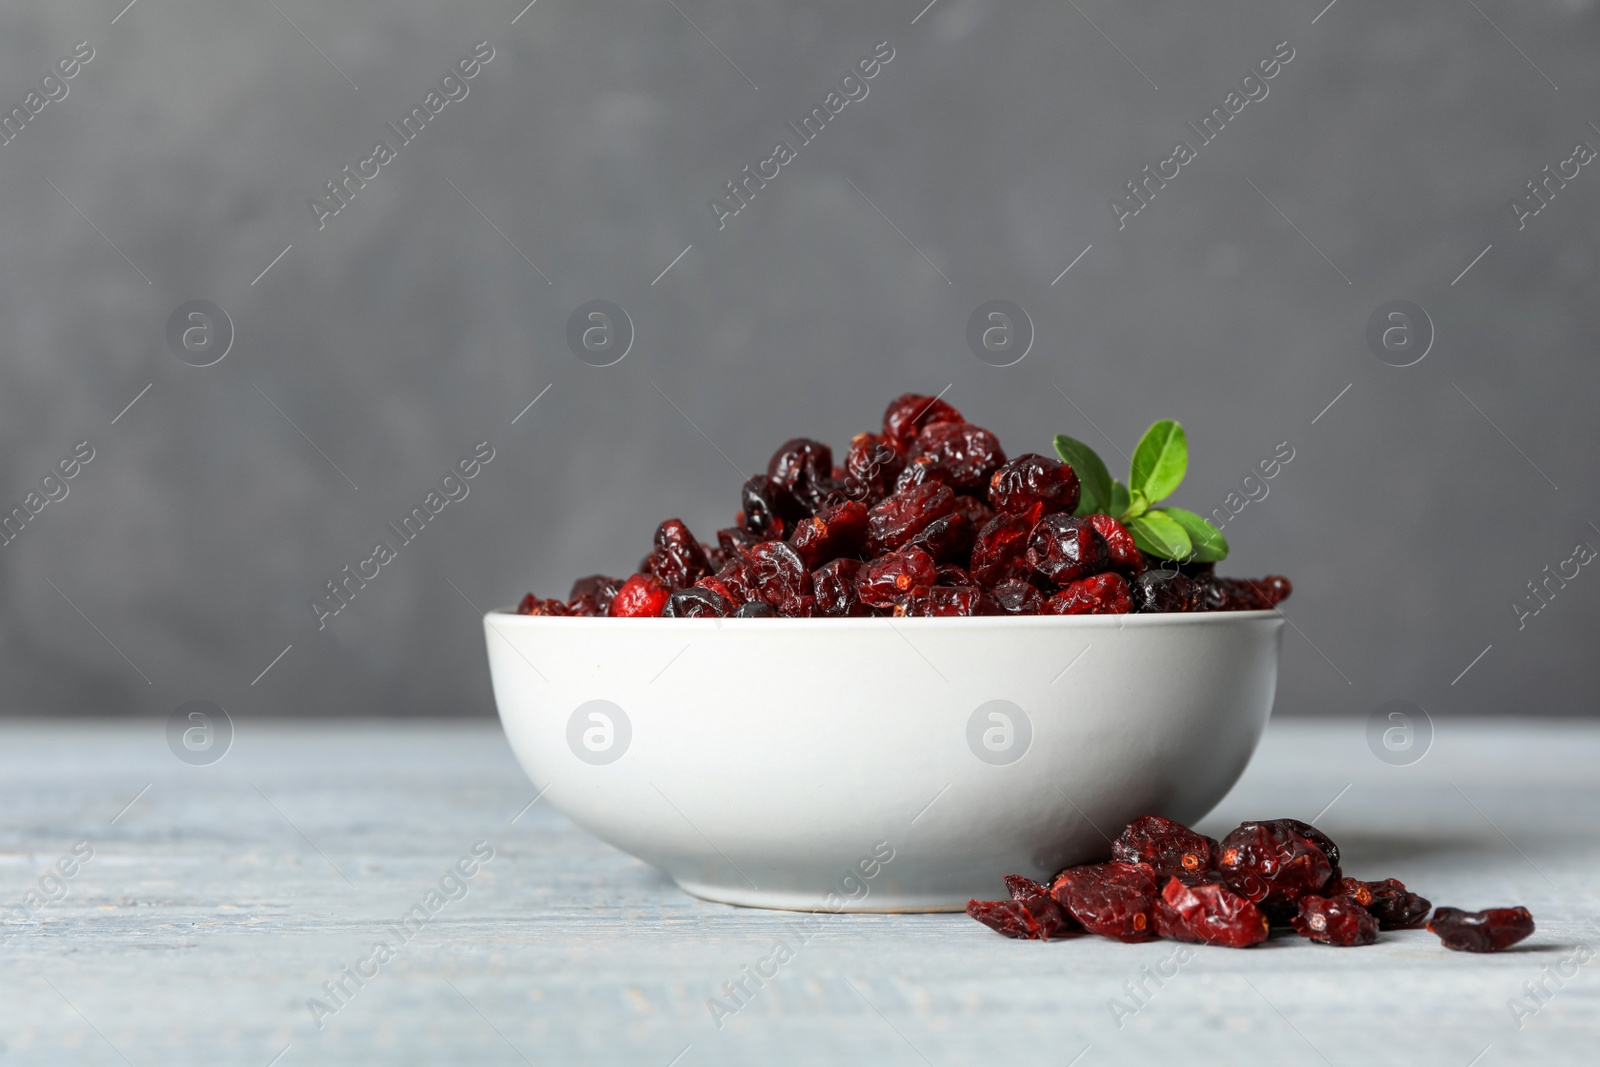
<point>879,764</point>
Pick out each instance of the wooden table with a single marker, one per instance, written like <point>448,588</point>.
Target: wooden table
<point>219,902</point>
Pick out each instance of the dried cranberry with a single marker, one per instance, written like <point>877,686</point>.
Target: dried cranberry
<point>1388,901</point>
<point>1047,914</point>
<point>834,531</point>
<point>1490,930</point>
<point>1017,597</point>
<point>950,574</point>
<point>897,519</point>
<point>804,467</point>
<point>532,605</point>
<point>970,453</point>
<point>1065,548</point>
<point>871,467</point>
<point>889,579</point>
<point>834,586</point>
<point>736,542</point>
<point>947,539</point>
<point>755,609</point>
<point>641,596</point>
<point>1000,550</point>
<point>919,470</point>
<point>677,559</point>
<point>1100,594</point>
<point>696,602</point>
<point>1008,917</point>
<point>906,415</point>
<point>1033,486</point>
<point>1209,913</point>
<point>1170,848</point>
<point>774,572</point>
<point>944,600</point>
<point>1122,553</point>
<point>803,606</point>
<point>593,595</point>
<point>728,584</point>
<point>1328,846</point>
<point>1272,865</point>
<point>768,507</point>
<point>1110,899</point>
<point>1161,591</point>
<point>976,511</point>
<point>1335,921</point>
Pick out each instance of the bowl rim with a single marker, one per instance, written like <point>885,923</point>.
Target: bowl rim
<point>882,622</point>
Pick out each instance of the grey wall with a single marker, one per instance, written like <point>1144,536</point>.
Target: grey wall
<point>409,329</point>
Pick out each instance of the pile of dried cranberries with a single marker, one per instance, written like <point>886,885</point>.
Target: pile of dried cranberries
<point>927,517</point>
<point>1165,880</point>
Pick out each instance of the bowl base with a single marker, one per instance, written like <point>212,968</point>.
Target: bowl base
<point>778,900</point>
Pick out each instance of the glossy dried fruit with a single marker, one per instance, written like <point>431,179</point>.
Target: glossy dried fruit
<point>834,586</point>
<point>943,600</point>
<point>1208,913</point>
<point>1017,597</point>
<point>1123,555</point>
<point>1047,914</point>
<point>804,467</point>
<point>969,453</point>
<point>736,542</point>
<point>775,573</point>
<point>1008,917</point>
<point>1000,551</point>
<point>592,595</point>
<point>906,415</point>
<point>1033,486</point>
<point>1328,846</point>
<point>1388,901</point>
<point>1272,865</point>
<point>1161,591</point>
<point>532,605</point>
<point>1335,921</point>
<point>1110,899</point>
<point>1490,930</point>
<point>755,609</point>
<point>642,596</point>
<point>677,558</point>
<point>947,539</point>
<point>768,508</point>
<point>920,470</point>
<point>895,520</point>
<point>696,602</point>
<point>1170,848</point>
<point>1100,594</point>
<point>1064,548</point>
<point>889,579</point>
<point>835,530</point>
<point>871,467</point>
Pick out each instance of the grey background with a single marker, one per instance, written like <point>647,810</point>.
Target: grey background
<point>409,329</point>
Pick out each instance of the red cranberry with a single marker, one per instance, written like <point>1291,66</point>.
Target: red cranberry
<point>769,508</point>
<point>871,467</point>
<point>1000,550</point>
<point>696,602</point>
<point>593,595</point>
<point>976,511</point>
<point>736,542</point>
<point>970,453</point>
<point>1388,901</point>
<point>908,414</point>
<point>1047,914</point>
<point>1170,848</point>
<point>1010,918</point>
<point>677,559</point>
<point>1491,930</point>
<point>834,586</point>
<point>1162,590</point>
<point>897,519</point>
<point>947,539</point>
<point>1122,553</point>
<point>919,470</point>
<point>1100,594</point>
<point>1272,865</point>
<point>1335,921</point>
<point>775,573</point>
<point>641,596</point>
<point>802,466</point>
<point>1110,899</point>
<point>1209,913</point>
<point>1033,486</point>
<point>1017,597</point>
<point>945,600</point>
<point>729,584</point>
<point>532,605</point>
<point>1064,548</point>
<point>889,579</point>
<point>835,530</point>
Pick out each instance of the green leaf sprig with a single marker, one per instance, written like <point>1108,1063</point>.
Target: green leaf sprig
<point>1157,469</point>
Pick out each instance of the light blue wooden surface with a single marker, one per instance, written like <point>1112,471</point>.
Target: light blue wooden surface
<point>219,903</point>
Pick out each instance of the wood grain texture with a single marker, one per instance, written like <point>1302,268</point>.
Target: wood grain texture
<point>224,898</point>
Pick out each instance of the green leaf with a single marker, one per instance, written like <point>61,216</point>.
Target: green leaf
<point>1119,499</point>
<point>1091,471</point>
<point>1206,540</point>
<point>1160,460</point>
<point>1137,505</point>
<point>1159,536</point>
